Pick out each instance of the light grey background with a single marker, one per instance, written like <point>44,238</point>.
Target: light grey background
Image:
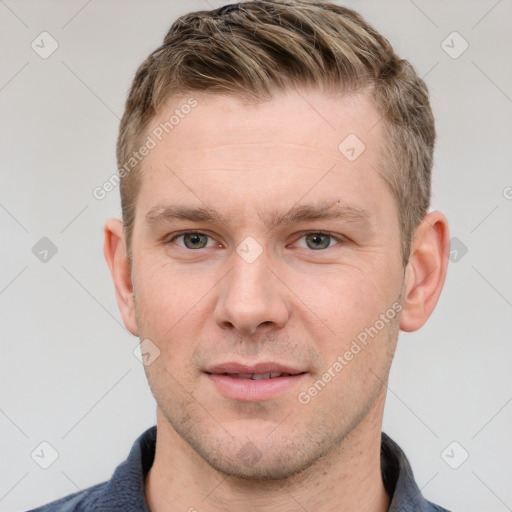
<point>68,373</point>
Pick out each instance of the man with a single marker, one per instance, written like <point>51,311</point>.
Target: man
<point>275,162</point>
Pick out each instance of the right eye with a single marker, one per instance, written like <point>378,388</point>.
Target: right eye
<point>193,240</point>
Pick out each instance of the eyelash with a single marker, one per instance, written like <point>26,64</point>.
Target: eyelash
<point>338,238</point>
<point>183,233</point>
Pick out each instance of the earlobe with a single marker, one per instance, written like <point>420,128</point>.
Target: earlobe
<point>114,249</point>
<point>425,272</point>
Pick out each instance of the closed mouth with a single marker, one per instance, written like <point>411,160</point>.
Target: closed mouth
<point>257,376</point>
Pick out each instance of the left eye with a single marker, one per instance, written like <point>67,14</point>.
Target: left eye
<point>316,241</point>
<point>194,240</point>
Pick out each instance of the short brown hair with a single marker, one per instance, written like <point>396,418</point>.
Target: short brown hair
<point>254,49</point>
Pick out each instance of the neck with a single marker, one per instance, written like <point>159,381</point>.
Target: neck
<point>348,478</point>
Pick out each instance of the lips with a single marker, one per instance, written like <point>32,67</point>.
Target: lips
<point>259,382</point>
<point>257,376</point>
<point>258,371</point>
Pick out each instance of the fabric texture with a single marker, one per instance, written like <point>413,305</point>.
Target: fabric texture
<point>124,492</point>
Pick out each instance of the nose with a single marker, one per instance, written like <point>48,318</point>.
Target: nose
<point>251,298</point>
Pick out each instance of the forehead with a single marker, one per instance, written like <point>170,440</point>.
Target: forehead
<point>309,117</point>
<point>298,143</point>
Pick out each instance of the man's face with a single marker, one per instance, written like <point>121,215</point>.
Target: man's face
<point>300,255</point>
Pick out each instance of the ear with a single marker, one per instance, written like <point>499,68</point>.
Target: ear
<point>426,271</point>
<point>115,253</point>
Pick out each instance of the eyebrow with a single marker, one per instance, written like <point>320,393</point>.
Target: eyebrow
<point>333,210</point>
<point>320,211</point>
<point>161,214</point>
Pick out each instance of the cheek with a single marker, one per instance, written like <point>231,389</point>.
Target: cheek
<point>163,284</point>
<point>345,301</point>
<point>169,304</point>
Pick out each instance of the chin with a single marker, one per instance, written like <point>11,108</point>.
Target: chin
<point>264,469</point>
<point>262,459</point>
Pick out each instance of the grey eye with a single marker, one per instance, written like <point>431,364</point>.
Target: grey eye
<point>318,241</point>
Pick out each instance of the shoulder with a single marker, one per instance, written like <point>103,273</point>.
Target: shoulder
<point>76,502</point>
<point>399,481</point>
<point>124,492</point>
<point>432,507</point>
